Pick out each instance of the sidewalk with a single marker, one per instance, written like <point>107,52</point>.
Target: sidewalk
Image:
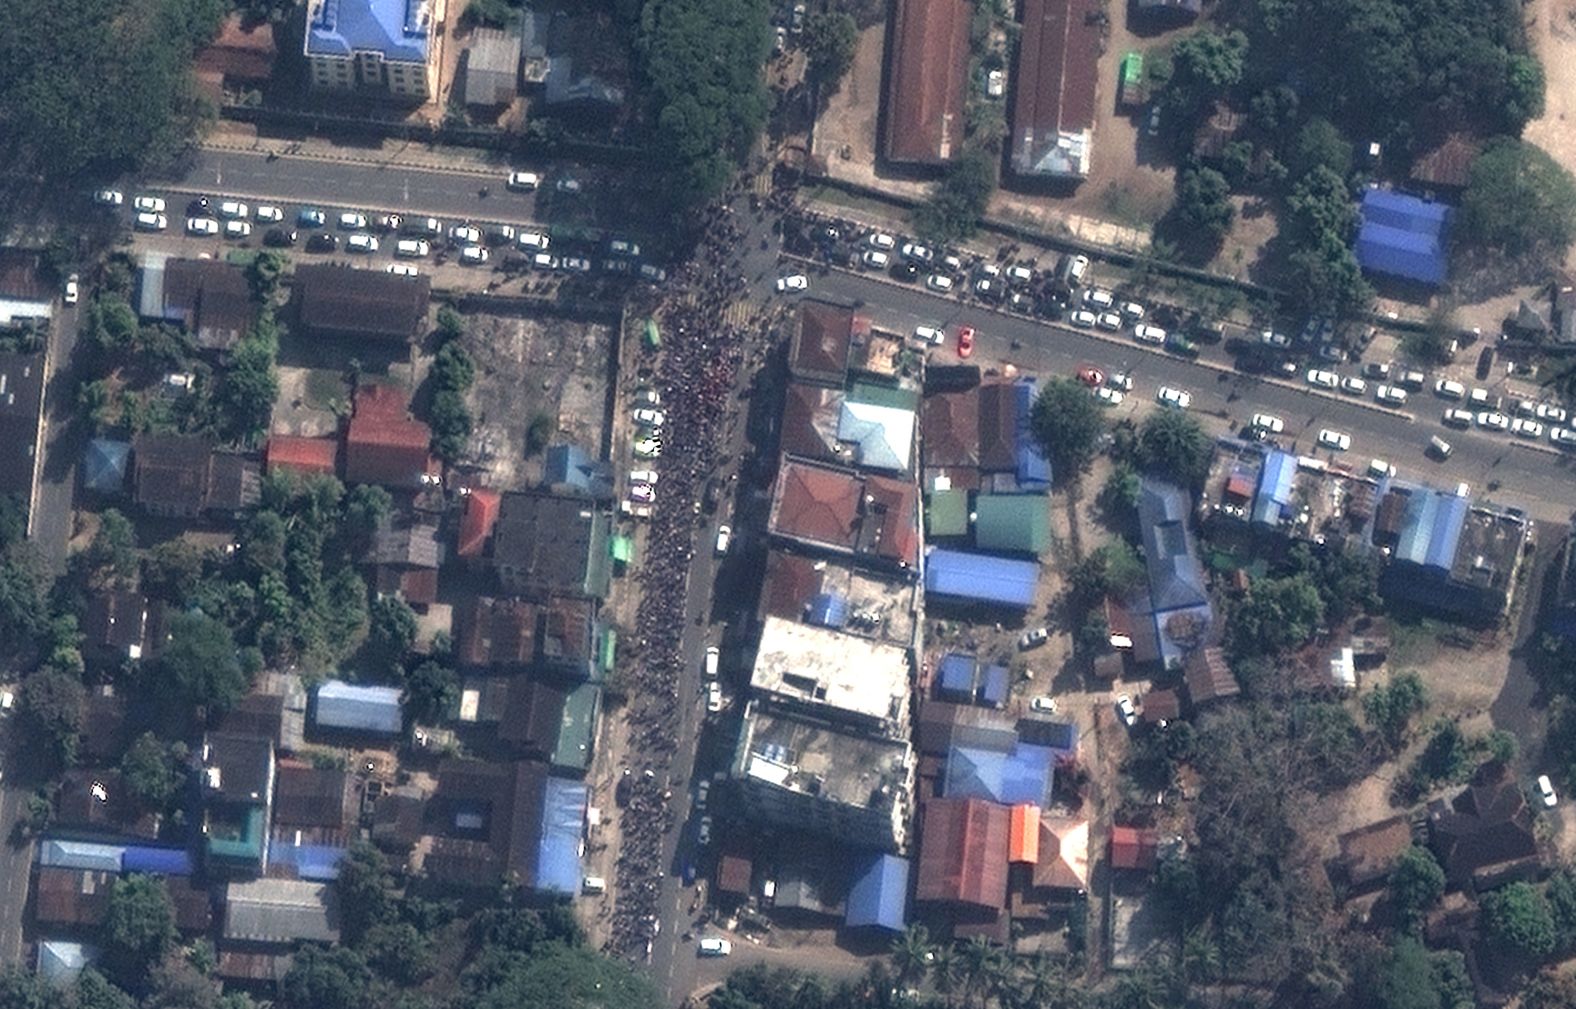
<point>232,136</point>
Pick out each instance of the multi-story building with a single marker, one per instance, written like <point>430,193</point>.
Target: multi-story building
<point>375,45</point>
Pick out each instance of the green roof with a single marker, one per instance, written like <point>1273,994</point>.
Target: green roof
<point>577,731</point>
<point>609,649</point>
<point>947,512</point>
<point>1013,523</point>
<point>1132,69</point>
<point>599,565</point>
<point>877,394</point>
<point>653,335</point>
<point>623,548</point>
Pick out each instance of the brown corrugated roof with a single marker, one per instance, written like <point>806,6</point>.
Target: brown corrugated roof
<point>71,896</point>
<point>1368,853</point>
<point>383,444</point>
<point>302,455</point>
<point>817,504</point>
<point>1208,676</point>
<point>212,298</point>
<point>820,344</point>
<point>789,584</point>
<point>893,508</point>
<point>810,415</point>
<point>924,96</point>
<point>1449,163</point>
<point>998,424</point>
<point>497,632</point>
<point>1134,848</point>
<point>170,471</point>
<point>341,301</point>
<point>1058,74</point>
<point>963,853</point>
<point>950,422</point>
<point>309,797</point>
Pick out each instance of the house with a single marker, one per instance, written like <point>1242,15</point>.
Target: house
<point>1012,524</point>
<point>878,897</point>
<point>383,443</point>
<point>1178,603</point>
<point>492,68</point>
<point>477,519</point>
<point>183,476</point>
<point>566,647</point>
<point>544,544</point>
<point>404,558</point>
<point>276,717</point>
<point>300,456</point>
<point>818,352</point>
<point>489,821</point>
<point>1134,848</point>
<point>97,805</point>
<point>497,633</point>
<point>570,470</point>
<point>874,435</point>
<point>872,518</point>
<point>809,421</point>
<point>208,298</point>
<point>1560,615</point>
<point>1486,831</point>
<point>376,46</point>
<point>963,849</point>
<point>1057,84</point>
<point>338,302</point>
<point>980,580</point>
<point>71,898</point>
<point>116,625</point>
<point>1447,165</point>
<point>21,419</point>
<point>105,462</point>
<point>1403,236</point>
<point>60,962</point>
<point>362,710</point>
<point>243,53</point>
<point>280,912</point>
<point>1369,853</point>
<point>926,81</point>
<point>526,713</point>
<point>1161,707</point>
<point>27,297</point>
<point>1020,774</point>
<point>238,775</point>
<point>1208,677</point>
<point>1052,866</point>
<point>314,798</point>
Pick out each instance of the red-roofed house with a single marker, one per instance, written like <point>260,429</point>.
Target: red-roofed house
<point>891,520</point>
<point>929,70</point>
<point>1023,843</point>
<point>476,523</point>
<point>383,444</point>
<point>963,855</point>
<point>499,633</point>
<point>1134,848</point>
<point>1061,870</point>
<point>818,505</point>
<point>819,352</point>
<point>304,456</point>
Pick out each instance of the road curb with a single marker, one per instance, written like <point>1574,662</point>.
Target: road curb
<point>455,169</point>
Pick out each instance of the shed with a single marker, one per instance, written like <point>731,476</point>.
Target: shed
<point>355,708</point>
<point>104,465</point>
<point>1012,523</point>
<point>994,686</point>
<point>1404,236</point>
<point>976,578</point>
<point>157,861</point>
<point>947,512</point>
<point>955,677</point>
<point>60,962</point>
<point>563,820</point>
<point>1023,841</point>
<point>492,67</point>
<point>568,469</point>
<point>879,896</point>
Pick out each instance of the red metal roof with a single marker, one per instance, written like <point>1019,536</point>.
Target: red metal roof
<point>303,455</point>
<point>383,444</point>
<point>963,853</point>
<point>817,504</point>
<point>924,97</point>
<point>1058,71</point>
<point>1133,848</point>
<point>894,506</point>
<point>476,523</point>
<point>820,347</point>
<point>1023,844</point>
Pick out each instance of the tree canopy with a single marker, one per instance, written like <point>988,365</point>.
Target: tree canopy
<point>1416,884</point>
<point>959,199</point>
<point>1518,201</point>
<point>1518,918</point>
<point>139,927</point>
<point>830,40</point>
<point>1173,445</point>
<point>1068,424</point>
<point>200,664</point>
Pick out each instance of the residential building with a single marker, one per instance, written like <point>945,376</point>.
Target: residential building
<point>1057,83</point>
<point>1485,834</point>
<point>837,677</point>
<point>1404,237</point>
<point>361,710</point>
<point>280,912</point>
<point>924,121</point>
<point>302,456</point>
<point>96,805</point>
<point>878,897</point>
<point>1050,856</point>
<point>379,46</point>
<point>339,302</point>
<point>208,298</point>
<point>404,557</point>
<point>1369,853</point>
<point>116,626</point>
<point>312,798</point>
<point>105,462</point>
<point>838,595</point>
<point>1178,601</point>
<point>21,425</point>
<point>497,633</point>
<point>826,331</point>
<point>545,545</point>
<point>489,821</point>
<point>1134,848</point>
<point>873,518</point>
<point>71,898</point>
<point>1020,774</point>
<point>60,962</point>
<point>183,476</point>
<point>477,519</point>
<point>241,55</point>
<point>962,867</point>
<point>492,68</point>
<point>525,713</point>
<point>971,579</point>
<point>1013,524</point>
<point>1448,556</point>
<point>384,444</point>
<point>27,297</point>
<point>238,774</point>
<point>570,470</point>
<point>1208,677</point>
<point>567,644</point>
<point>1446,166</point>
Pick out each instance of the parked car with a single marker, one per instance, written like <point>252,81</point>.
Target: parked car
<point>1376,369</point>
<point>917,253</point>
<point>647,417</point>
<point>1121,380</point>
<point>237,229</point>
<point>1033,638</point>
<point>1379,469</point>
<point>1178,398</point>
<point>148,204</point>
<point>709,668</point>
<point>1145,333</point>
<point>1335,441</point>
<point>403,270</point>
<point>1562,437</point>
<point>793,282</point>
<point>1448,389</point>
<point>1096,298</point>
<point>1083,317</point>
<point>1522,427</point>
<point>1550,413</point>
<point>109,198</point>
<point>1390,395</point>
<point>1322,379</point>
<point>1270,338</point>
<point>1456,417</point>
<point>465,234</point>
<point>724,538</point>
<point>205,227</point>
<point>642,492</point>
<point>875,259</point>
<point>361,243</point>
<point>1268,423</point>
<point>268,215</point>
<point>1493,420</point>
<point>1132,311</point>
<point>233,210</point>
<point>712,946</point>
<point>930,334</point>
<point>474,255</point>
<point>1043,705</point>
<point>1109,320</point>
<point>1125,711</point>
<point>1107,396</point>
<point>713,697</point>
<point>352,221</point>
<point>412,248</point>
<point>939,282</point>
<point>1546,793</point>
<point>532,240</point>
<point>311,217</point>
<point>322,242</point>
<point>72,291</point>
<point>965,341</point>
<point>1353,386</point>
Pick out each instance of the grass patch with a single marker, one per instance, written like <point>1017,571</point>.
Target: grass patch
<point>842,198</point>
<point>1414,642</point>
<point>1120,205</point>
<point>325,389</point>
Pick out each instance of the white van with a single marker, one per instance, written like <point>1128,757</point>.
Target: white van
<point>1439,447</point>
<point>713,660</point>
<point>412,248</point>
<point>593,885</point>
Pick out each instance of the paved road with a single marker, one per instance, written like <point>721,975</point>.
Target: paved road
<point>63,441</point>
<point>15,865</point>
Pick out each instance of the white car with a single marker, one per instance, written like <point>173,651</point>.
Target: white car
<point>712,946</point>
<point>575,264</point>
<point>524,180</point>
<point>532,240</point>
<point>1179,398</point>
<point>412,248</point>
<point>1132,310</point>
<point>1268,422</point>
<point>1521,427</point>
<point>1108,396</point>
<point>1564,437</point>
<point>545,261</point>
<point>1271,338</point>
<point>709,668</point>
<point>1121,380</point>
<point>1033,638</point>
<point>150,221</point>
<point>109,198</point>
<point>647,417</point>
<point>1353,386</point>
<point>1083,317</point>
<point>880,240</point>
<point>1323,379</point>
<point>1126,712</point>
<point>930,334</point>
<point>237,229</point>
<point>939,282</point>
<point>995,83</point>
<point>875,259</point>
<point>148,204</point>
<point>361,243</point>
<point>403,270</point>
<point>1019,274</point>
<point>917,253</point>
<point>233,210</point>
<point>1379,469</point>
<point>1447,389</point>
<point>72,291</point>
<point>205,226</point>
<point>1550,413</point>
<point>474,255</point>
<point>1109,320</point>
<point>648,448</point>
<point>465,234</point>
<point>642,492</point>
<point>1043,705</point>
<point>1525,408</point>
<point>1456,417</point>
<point>643,476</point>
<point>1493,420</point>
<point>1096,298</point>
<point>648,397</point>
<point>793,282</point>
<point>1335,441</point>
<point>724,538</point>
<point>1481,397</point>
<point>1391,395</point>
<point>1546,792</point>
<point>1145,333</point>
<point>269,215</point>
<point>352,221</point>
<point>713,697</point>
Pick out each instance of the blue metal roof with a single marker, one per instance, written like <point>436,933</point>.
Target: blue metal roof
<point>955,676</point>
<point>879,895</point>
<point>1449,519</point>
<point>1034,470</point>
<point>399,29</point>
<point>994,686</point>
<point>1023,775</point>
<point>104,465</point>
<point>978,578</point>
<point>563,818</point>
<point>318,862</point>
<point>828,609</point>
<point>1176,580</point>
<point>1403,236</point>
<point>157,861</point>
<point>1417,528</point>
<point>81,855</point>
<point>343,705</point>
<point>1274,491</point>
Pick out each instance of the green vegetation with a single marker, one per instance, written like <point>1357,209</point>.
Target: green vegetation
<point>1416,884</point>
<point>139,927</point>
<point>453,373</point>
<point>1172,445</point>
<point>154,771</point>
<point>959,200</point>
<point>830,40</point>
<point>199,665</point>
<point>1069,426</point>
<point>1519,920</point>
<point>1390,708</point>
<point>50,707</point>
<point>1202,215</point>
<point>1319,224</point>
<point>1519,201</point>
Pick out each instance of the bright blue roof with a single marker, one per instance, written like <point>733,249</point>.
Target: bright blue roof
<point>978,578</point>
<point>563,818</point>
<point>570,466</point>
<point>81,855</point>
<point>343,705</point>
<point>1274,491</point>
<point>104,465</point>
<point>879,895</point>
<point>399,29</point>
<point>1417,527</point>
<point>318,862</point>
<point>157,861</point>
<point>955,677</point>
<point>1023,775</point>
<point>828,609</point>
<point>1034,470</point>
<point>994,686</point>
<point>1403,236</point>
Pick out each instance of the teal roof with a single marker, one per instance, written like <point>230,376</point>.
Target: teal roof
<point>1012,523</point>
<point>577,730</point>
<point>947,512</point>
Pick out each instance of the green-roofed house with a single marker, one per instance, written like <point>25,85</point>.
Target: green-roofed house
<point>1012,523</point>
<point>577,731</point>
<point>947,513</point>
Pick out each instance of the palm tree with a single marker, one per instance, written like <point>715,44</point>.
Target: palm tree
<point>977,962</point>
<point>1200,956</point>
<point>912,954</point>
<point>1000,978</point>
<point>1045,983</point>
<point>944,972</point>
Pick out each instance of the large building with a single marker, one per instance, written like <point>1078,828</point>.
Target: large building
<point>1057,83</point>
<point>838,677</point>
<point>338,302</point>
<point>926,81</point>
<point>21,416</point>
<point>549,545</point>
<point>1448,556</point>
<point>375,45</point>
<point>1404,236</point>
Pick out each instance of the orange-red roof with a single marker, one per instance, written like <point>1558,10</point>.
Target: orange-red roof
<point>383,444</point>
<point>1023,842</point>
<point>476,523</point>
<point>1133,848</point>
<point>303,455</point>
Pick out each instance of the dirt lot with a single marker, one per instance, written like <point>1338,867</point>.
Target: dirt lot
<point>1551,28</point>
<point>527,367</point>
<point>310,402</point>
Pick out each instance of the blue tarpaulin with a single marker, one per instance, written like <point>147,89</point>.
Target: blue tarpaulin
<point>993,686</point>
<point>563,818</point>
<point>981,579</point>
<point>1403,236</point>
<point>955,677</point>
<point>828,609</point>
<point>1021,775</point>
<point>158,861</point>
<point>311,861</point>
<point>879,896</point>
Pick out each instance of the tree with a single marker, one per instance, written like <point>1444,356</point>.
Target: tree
<point>249,386</point>
<point>538,433</point>
<point>113,552</point>
<point>830,41</point>
<point>367,506</point>
<point>400,953</point>
<point>1553,988</point>
<point>1445,756</point>
<point>1202,215</point>
<point>560,975</point>
<point>1119,497</point>
<point>1172,444</point>
<point>365,891</point>
<point>94,991</point>
<point>172,570</point>
<point>912,953</point>
<point>199,665</point>
<point>152,771</point>
<point>1068,425</point>
<point>1389,709</point>
<point>175,983</point>
<point>957,202</point>
<point>1518,201</point>
<point>450,420</point>
<point>139,926</point>
<point>1319,145</point>
<point>1416,884</point>
<point>23,583</point>
<point>431,691</point>
<point>1277,614</point>
<point>390,637</point>
<point>1519,920</point>
<point>1318,226</point>
<point>1406,978</point>
<point>325,978</point>
<point>50,706</point>
<point>264,273</point>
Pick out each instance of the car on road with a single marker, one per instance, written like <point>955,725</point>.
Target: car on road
<point>930,334</point>
<point>72,290</point>
<point>703,832</point>
<point>1563,437</point>
<point>793,282</point>
<point>148,204</point>
<point>523,181</point>
<point>233,210</point>
<point>361,242</point>
<point>712,946</point>
<point>412,248</point>
<point>1181,399</point>
<point>1493,420</point>
<point>724,539</point>
<point>322,242</point>
<point>1269,423</point>
<point>1083,317</point>
<point>204,226</point>
<point>1109,320</point>
<point>465,234</point>
<point>1456,417</point>
<point>1390,395</point>
<point>713,697</point>
<point>1321,379</point>
<point>1043,705</point>
<point>1546,793</point>
<point>1121,380</point>
<point>1522,427</point>
<point>711,663</point>
<point>1335,441</point>
<point>237,229</point>
<point>647,417</point>
<point>352,221</point>
<point>403,270</point>
<point>875,259</point>
<point>1125,711</point>
<point>311,217</point>
<point>1091,376</point>
<point>474,255</point>
<point>1448,389</point>
<point>965,341</point>
<point>1145,333</point>
<point>1439,448</point>
<point>642,492</point>
<point>939,282</point>
<point>109,198</point>
<point>1353,386</point>
<point>648,448</point>
<point>1033,638</point>
<point>1097,298</point>
<point>268,215</point>
<point>1109,397</point>
<point>149,221</point>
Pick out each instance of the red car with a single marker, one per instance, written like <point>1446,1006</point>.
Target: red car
<point>965,341</point>
<point>1091,376</point>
